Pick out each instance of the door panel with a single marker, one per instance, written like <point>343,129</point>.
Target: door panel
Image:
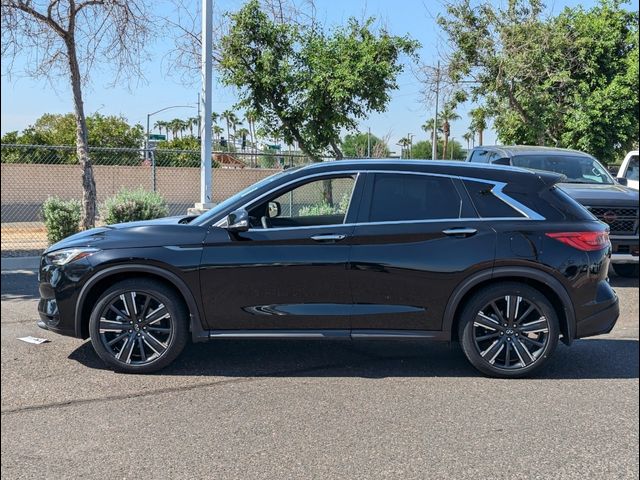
<point>412,269</point>
<point>291,273</point>
<point>277,279</point>
<point>412,248</point>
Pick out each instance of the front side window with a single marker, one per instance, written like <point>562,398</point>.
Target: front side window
<point>320,202</point>
<point>407,197</point>
<point>480,156</point>
<point>632,169</point>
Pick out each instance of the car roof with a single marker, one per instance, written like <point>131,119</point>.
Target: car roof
<point>512,150</point>
<point>495,173</point>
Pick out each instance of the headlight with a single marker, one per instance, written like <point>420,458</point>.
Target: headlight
<point>68,255</point>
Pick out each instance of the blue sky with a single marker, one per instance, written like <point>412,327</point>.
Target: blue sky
<point>25,99</point>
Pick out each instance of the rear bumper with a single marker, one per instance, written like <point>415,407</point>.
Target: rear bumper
<point>624,249</point>
<point>601,322</point>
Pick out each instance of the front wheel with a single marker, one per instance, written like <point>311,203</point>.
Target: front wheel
<point>139,326</point>
<point>628,270</point>
<point>508,330</point>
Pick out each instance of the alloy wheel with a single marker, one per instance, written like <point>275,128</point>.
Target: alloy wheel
<point>511,332</point>
<point>136,328</point>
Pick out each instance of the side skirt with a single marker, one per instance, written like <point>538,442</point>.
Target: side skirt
<point>437,336</point>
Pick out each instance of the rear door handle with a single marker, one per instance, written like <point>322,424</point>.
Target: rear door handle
<point>460,232</point>
<point>329,238</point>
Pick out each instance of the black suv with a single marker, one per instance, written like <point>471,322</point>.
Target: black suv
<point>588,182</point>
<point>495,257</point>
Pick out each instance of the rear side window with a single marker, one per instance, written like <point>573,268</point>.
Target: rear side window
<point>486,203</point>
<point>398,197</point>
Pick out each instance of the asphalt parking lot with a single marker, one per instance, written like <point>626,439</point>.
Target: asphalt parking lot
<point>299,409</point>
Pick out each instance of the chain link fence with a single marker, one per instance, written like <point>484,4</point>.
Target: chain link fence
<point>32,173</point>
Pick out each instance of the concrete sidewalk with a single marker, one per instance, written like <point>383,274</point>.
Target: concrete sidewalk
<point>20,263</point>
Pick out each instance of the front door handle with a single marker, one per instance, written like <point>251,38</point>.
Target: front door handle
<point>460,232</point>
<point>329,238</point>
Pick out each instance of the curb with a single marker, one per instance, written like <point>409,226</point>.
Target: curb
<point>20,263</point>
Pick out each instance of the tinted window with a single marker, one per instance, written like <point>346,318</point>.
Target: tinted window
<point>487,204</point>
<point>632,169</point>
<point>576,169</point>
<point>413,197</point>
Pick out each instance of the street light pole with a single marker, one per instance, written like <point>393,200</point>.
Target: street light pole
<point>146,143</point>
<point>369,143</point>
<point>410,137</point>
<point>206,66</point>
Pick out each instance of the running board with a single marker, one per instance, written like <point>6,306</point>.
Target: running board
<point>363,334</point>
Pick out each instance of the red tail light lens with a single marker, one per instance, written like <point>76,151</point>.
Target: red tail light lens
<point>585,241</point>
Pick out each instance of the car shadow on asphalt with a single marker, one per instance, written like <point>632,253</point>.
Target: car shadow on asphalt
<point>617,281</point>
<point>599,358</point>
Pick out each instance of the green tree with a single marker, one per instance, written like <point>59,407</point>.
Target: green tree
<point>468,137</point>
<point>357,145</point>
<point>569,80</point>
<point>305,84</point>
<point>56,129</point>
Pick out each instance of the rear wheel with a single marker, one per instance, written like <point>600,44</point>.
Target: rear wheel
<point>626,269</point>
<point>508,330</point>
<point>139,326</point>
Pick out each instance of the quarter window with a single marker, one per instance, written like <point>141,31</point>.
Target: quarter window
<point>398,197</point>
<point>486,203</point>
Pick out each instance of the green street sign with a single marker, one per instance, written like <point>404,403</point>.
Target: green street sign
<point>156,136</point>
<point>273,147</point>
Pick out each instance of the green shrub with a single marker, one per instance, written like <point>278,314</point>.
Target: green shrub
<point>61,218</point>
<point>133,205</point>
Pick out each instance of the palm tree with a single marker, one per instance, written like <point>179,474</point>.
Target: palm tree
<point>478,122</point>
<point>215,117</point>
<point>228,116</point>
<point>192,122</point>
<point>160,124</point>
<point>176,125</point>
<point>217,131</point>
<point>468,136</point>
<point>251,118</point>
<point>243,133</point>
<point>428,127</point>
<point>404,143</point>
<point>447,116</point>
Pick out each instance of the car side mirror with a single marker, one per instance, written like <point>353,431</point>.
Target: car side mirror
<point>238,221</point>
<point>622,181</point>
<point>274,209</point>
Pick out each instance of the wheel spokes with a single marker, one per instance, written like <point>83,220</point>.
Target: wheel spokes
<point>136,328</point>
<point>505,334</point>
<point>537,326</point>
<point>487,322</point>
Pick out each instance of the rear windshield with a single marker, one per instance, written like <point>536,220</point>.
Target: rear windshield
<point>576,169</point>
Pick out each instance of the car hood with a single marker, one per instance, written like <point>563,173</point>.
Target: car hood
<point>159,232</point>
<point>601,195</point>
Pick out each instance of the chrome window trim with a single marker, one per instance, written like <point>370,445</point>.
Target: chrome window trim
<point>497,190</point>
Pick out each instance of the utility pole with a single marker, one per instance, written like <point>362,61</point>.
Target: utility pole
<point>369,143</point>
<point>434,147</point>
<point>205,107</point>
<point>410,137</point>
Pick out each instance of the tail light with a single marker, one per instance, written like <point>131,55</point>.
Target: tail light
<point>585,241</point>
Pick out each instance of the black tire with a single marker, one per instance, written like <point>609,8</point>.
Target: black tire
<point>628,270</point>
<point>517,349</point>
<point>146,341</point>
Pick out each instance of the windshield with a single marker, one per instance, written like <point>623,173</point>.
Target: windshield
<point>632,169</point>
<point>222,206</point>
<point>576,169</point>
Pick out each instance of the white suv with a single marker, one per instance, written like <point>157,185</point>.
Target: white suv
<point>628,173</point>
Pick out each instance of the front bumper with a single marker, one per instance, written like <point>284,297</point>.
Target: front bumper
<point>59,287</point>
